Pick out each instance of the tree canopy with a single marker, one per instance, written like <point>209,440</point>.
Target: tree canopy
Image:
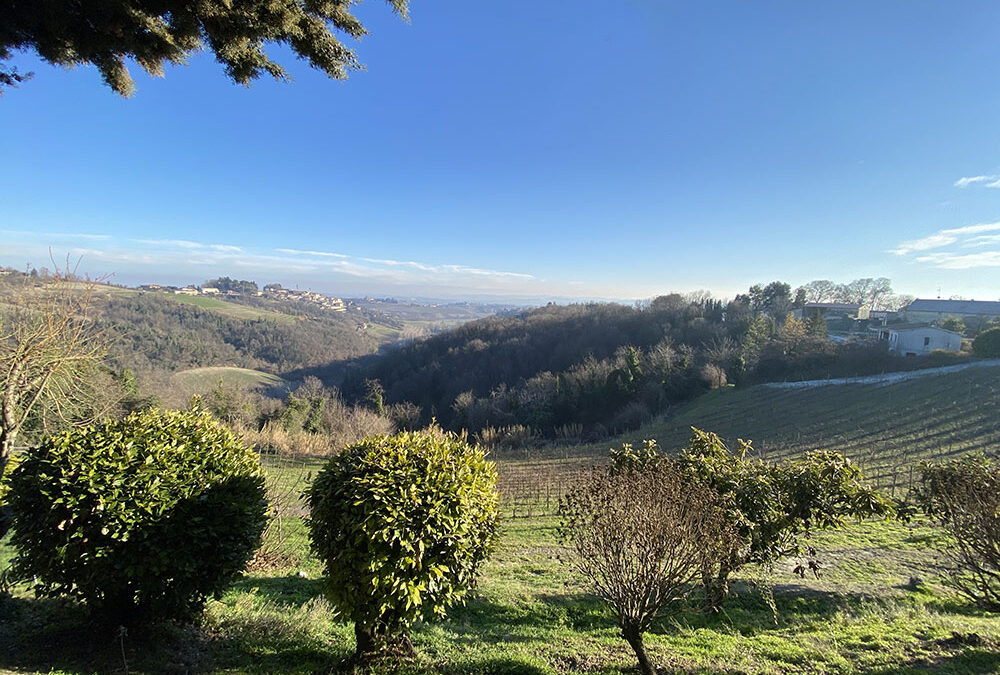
<point>156,32</point>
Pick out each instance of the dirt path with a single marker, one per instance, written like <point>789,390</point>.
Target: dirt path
<point>884,378</point>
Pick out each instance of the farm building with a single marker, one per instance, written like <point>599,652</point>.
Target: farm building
<point>834,309</point>
<point>974,313</point>
<point>919,340</point>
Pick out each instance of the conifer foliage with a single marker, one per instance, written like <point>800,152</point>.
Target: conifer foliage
<point>157,32</point>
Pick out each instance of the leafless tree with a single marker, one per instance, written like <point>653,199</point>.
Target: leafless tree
<point>48,346</point>
<point>821,290</point>
<point>641,536</point>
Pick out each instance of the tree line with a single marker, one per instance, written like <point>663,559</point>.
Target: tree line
<point>598,369</point>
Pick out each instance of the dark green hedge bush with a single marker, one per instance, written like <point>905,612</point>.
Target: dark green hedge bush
<point>402,524</point>
<point>142,518</point>
<point>987,344</point>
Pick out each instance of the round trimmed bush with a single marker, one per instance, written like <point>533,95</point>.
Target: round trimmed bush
<point>402,524</point>
<point>142,518</point>
<point>987,344</point>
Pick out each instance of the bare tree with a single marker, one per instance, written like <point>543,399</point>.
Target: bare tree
<point>641,536</point>
<point>964,496</point>
<point>820,290</point>
<point>48,343</point>
<point>895,302</point>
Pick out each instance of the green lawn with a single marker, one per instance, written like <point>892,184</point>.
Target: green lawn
<point>530,614</point>
<point>201,380</point>
<point>231,309</point>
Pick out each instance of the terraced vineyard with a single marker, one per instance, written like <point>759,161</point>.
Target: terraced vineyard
<point>886,428</point>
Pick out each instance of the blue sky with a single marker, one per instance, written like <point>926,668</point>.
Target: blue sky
<point>545,149</point>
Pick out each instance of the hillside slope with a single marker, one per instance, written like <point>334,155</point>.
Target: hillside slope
<point>886,428</point>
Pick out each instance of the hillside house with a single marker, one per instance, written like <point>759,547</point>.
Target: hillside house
<point>209,290</point>
<point>920,339</point>
<point>187,290</point>
<point>974,313</point>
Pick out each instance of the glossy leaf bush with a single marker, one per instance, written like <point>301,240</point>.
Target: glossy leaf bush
<point>142,518</point>
<point>402,524</point>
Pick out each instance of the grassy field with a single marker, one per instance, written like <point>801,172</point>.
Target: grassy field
<point>202,380</point>
<point>531,614</point>
<point>231,309</point>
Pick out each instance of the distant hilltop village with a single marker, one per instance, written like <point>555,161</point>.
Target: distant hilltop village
<point>233,288</point>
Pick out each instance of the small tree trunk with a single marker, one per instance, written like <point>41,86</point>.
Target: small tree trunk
<point>633,636</point>
<point>716,588</point>
<point>376,642</point>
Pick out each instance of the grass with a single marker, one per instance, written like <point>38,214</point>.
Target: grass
<point>205,379</point>
<point>531,614</point>
<point>382,331</point>
<point>231,309</point>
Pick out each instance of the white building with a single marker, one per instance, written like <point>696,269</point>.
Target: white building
<point>921,340</point>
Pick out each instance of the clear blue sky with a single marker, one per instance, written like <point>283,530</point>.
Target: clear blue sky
<point>587,149</point>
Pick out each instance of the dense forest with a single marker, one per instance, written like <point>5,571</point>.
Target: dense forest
<point>152,331</point>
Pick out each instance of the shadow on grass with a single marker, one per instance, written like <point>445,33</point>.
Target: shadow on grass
<point>56,635</point>
<point>59,635</point>
<point>968,654</point>
<point>489,620</point>
<point>289,590</point>
<point>961,606</point>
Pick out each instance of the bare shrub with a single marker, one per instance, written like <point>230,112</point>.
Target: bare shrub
<point>570,432</point>
<point>405,415</point>
<point>964,495</point>
<point>273,439</point>
<point>713,376</point>
<point>512,437</point>
<point>641,537</point>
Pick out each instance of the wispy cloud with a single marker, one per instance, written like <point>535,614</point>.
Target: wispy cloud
<point>992,181</point>
<point>982,240</point>
<point>57,236</point>
<point>187,259</point>
<point>318,254</point>
<point>957,241</point>
<point>943,238</point>
<point>190,245</point>
<point>956,261</point>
